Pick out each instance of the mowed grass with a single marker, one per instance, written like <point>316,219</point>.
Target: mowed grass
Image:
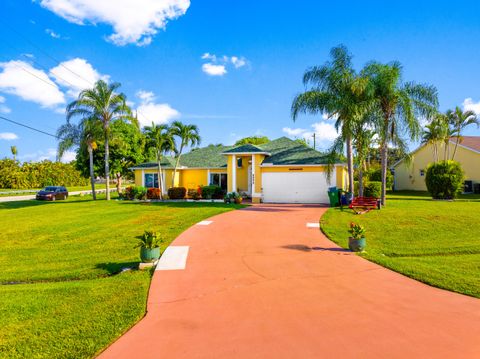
<point>69,299</point>
<point>436,242</point>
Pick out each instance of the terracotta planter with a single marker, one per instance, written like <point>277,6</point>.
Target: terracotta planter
<point>238,200</point>
<point>357,245</point>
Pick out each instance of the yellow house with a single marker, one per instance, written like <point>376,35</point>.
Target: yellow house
<point>280,171</point>
<point>411,175</point>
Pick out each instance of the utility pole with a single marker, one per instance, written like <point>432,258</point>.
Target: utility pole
<point>314,141</point>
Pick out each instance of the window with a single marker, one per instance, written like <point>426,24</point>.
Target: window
<point>219,179</point>
<point>151,180</point>
<point>422,173</point>
<point>239,162</point>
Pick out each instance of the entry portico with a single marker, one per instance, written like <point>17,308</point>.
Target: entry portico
<point>243,163</point>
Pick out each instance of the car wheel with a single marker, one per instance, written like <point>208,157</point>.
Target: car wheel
<point>53,198</point>
<point>65,196</point>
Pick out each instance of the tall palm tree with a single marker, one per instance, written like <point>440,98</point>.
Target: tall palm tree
<point>363,138</point>
<point>161,139</point>
<point>400,105</point>
<point>102,103</point>
<point>87,133</point>
<point>14,151</point>
<point>432,134</point>
<point>188,135</point>
<point>336,89</point>
<point>459,120</point>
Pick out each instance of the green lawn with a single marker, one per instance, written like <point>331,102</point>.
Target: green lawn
<point>436,242</point>
<point>68,300</point>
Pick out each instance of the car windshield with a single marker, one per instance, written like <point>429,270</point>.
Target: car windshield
<point>50,189</point>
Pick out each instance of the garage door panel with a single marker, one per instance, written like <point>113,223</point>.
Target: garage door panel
<point>295,187</point>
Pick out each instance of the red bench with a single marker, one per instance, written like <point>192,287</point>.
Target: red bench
<point>362,205</point>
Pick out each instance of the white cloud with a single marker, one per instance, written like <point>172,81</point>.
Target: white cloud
<point>325,133</point>
<point>469,105</point>
<point>40,155</point>
<point>52,33</point>
<point>148,111</point>
<point>293,131</point>
<point>133,21</point>
<point>238,62</point>
<point>22,79</point>
<point>3,107</point>
<point>214,70</point>
<point>69,156</point>
<point>8,136</point>
<point>76,75</point>
<point>217,65</point>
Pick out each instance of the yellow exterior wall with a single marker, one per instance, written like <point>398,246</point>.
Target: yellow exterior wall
<point>168,174</point>
<point>242,173</point>
<point>407,176</point>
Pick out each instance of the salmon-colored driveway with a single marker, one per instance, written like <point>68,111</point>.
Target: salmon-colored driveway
<point>260,284</point>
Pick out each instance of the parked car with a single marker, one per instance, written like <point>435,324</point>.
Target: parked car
<point>52,193</point>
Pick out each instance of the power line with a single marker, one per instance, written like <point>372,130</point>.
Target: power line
<point>46,53</point>
<point>30,128</point>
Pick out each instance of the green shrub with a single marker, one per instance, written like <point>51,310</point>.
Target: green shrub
<point>373,189</point>
<point>444,179</point>
<point>16,175</point>
<point>375,175</point>
<point>212,192</point>
<point>139,192</point>
<point>177,192</point>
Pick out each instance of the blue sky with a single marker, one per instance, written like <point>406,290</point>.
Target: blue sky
<point>232,68</point>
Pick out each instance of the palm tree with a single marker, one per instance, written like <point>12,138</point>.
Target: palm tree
<point>459,120</point>
<point>14,151</point>
<point>85,133</point>
<point>400,105</point>
<point>432,134</point>
<point>161,139</point>
<point>188,135</point>
<point>338,91</point>
<point>103,104</point>
<point>363,137</point>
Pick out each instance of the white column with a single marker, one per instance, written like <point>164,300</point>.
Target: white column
<point>208,177</point>
<point>234,173</point>
<point>253,176</point>
<point>143,178</point>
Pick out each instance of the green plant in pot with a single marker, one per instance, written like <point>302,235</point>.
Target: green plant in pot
<point>356,241</point>
<point>149,244</point>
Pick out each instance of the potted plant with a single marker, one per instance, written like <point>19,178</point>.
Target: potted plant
<point>149,244</point>
<point>233,197</point>
<point>356,241</point>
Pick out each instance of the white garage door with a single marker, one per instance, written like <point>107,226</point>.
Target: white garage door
<point>295,187</point>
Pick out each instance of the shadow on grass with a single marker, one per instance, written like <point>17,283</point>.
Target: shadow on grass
<point>305,248</point>
<point>113,268</point>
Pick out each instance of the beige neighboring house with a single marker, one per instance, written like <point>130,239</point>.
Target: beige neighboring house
<point>411,176</point>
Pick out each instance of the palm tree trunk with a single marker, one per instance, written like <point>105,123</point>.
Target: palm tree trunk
<point>455,148</point>
<point>350,164</point>
<point>384,162</point>
<point>107,167</point>
<point>160,180</point>
<point>175,168</point>
<point>360,180</point>
<point>92,175</point>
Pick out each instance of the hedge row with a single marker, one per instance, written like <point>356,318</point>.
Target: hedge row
<point>16,175</point>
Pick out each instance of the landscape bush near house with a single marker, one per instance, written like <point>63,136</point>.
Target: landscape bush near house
<point>177,192</point>
<point>444,179</point>
<point>212,192</point>
<point>373,189</point>
<point>16,175</point>
<point>153,193</point>
<point>194,194</point>
<point>135,192</point>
